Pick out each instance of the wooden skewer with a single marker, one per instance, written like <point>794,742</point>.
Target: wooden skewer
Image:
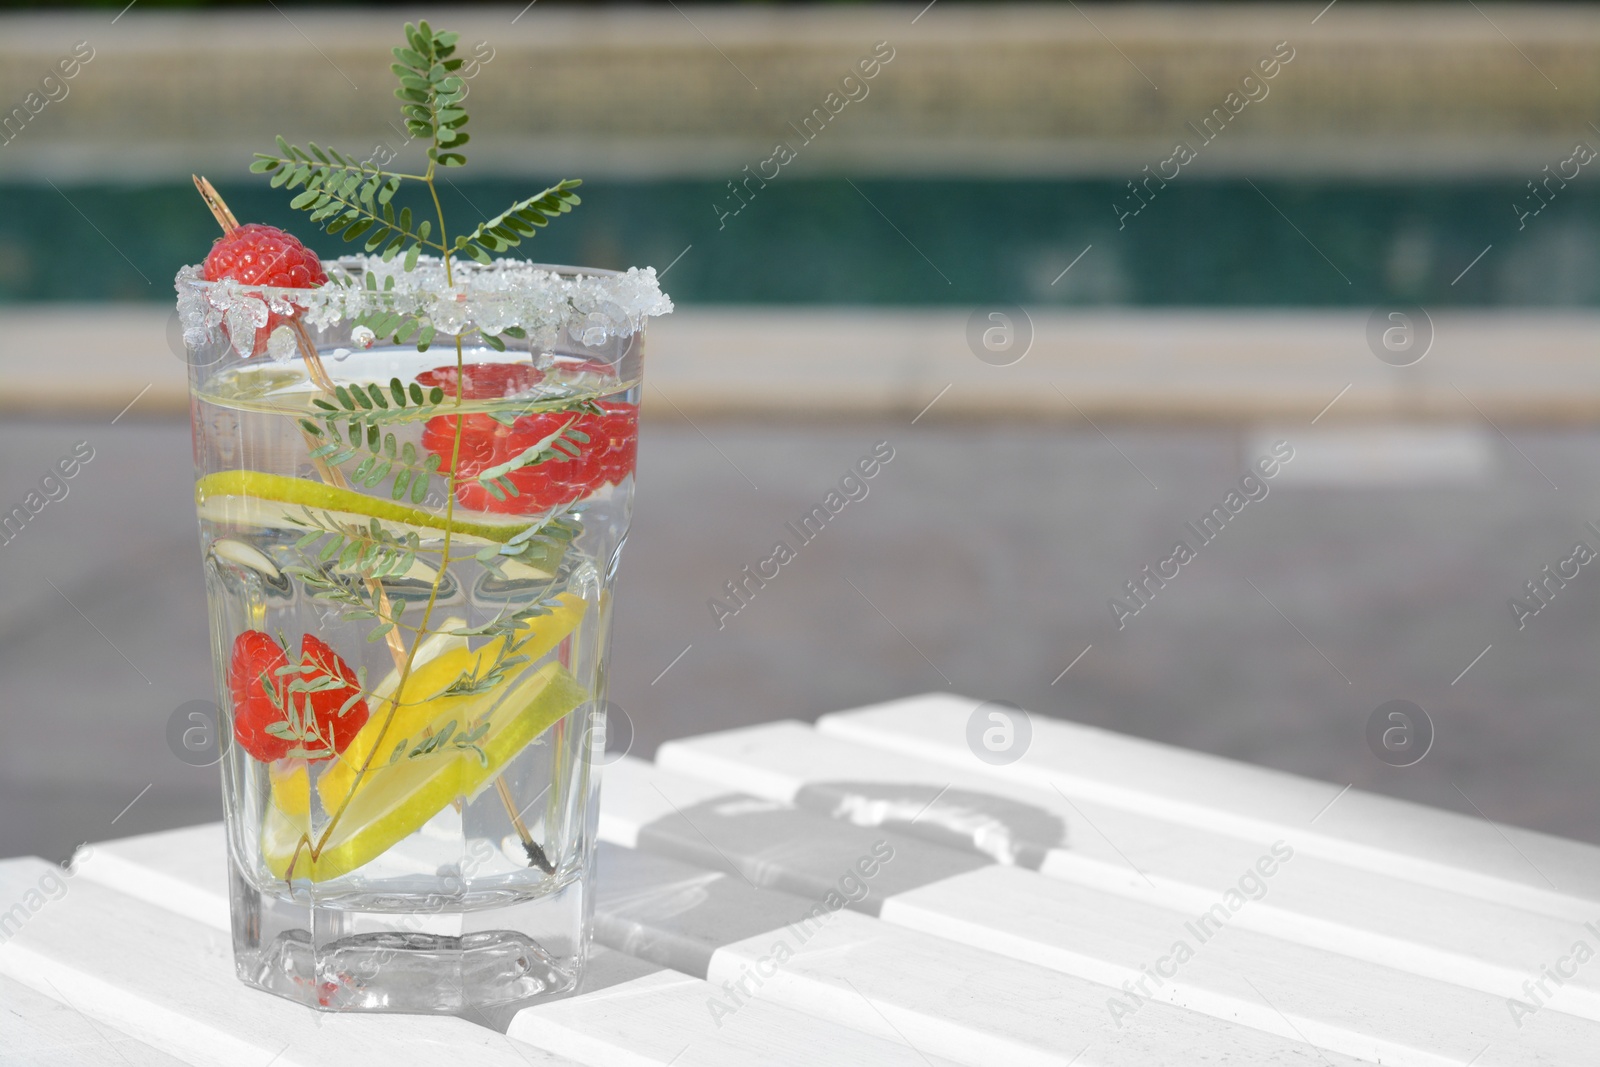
<point>319,373</point>
<point>214,201</point>
<point>536,854</point>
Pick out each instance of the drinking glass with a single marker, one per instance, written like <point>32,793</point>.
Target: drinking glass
<point>413,488</point>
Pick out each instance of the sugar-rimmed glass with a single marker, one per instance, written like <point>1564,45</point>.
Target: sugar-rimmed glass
<point>409,558</point>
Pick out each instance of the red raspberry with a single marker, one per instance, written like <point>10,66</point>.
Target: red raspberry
<point>620,434</point>
<point>256,659</point>
<point>264,255</point>
<point>484,381</point>
<point>261,697</point>
<point>479,435</point>
<point>608,457</point>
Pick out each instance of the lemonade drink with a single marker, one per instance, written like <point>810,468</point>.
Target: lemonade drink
<point>409,580</point>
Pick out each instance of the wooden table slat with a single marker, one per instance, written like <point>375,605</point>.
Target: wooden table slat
<point>666,1018</point>
<point>688,918</point>
<point>168,981</point>
<point>184,871</point>
<point>870,891</point>
<point>970,1005</point>
<point>1338,1002</point>
<point>1435,933</point>
<point>1470,855</point>
<point>38,1030</point>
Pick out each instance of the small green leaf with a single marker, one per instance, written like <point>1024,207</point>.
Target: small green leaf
<point>351,553</point>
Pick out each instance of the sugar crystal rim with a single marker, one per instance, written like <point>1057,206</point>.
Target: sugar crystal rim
<point>547,301</point>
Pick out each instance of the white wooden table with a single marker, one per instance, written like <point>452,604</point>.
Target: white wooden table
<point>1100,901</point>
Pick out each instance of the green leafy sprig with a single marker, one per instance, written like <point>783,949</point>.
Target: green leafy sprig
<point>354,199</point>
<point>521,220</point>
<point>364,557</point>
<point>370,551</point>
<point>472,683</point>
<point>547,540</point>
<point>562,446</point>
<point>445,739</point>
<point>353,426</point>
<point>300,679</point>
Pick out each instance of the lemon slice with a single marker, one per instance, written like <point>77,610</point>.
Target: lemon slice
<point>395,799</point>
<point>423,711</point>
<point>291,791</point>
<point>442,658</point>
<point>253,498</point>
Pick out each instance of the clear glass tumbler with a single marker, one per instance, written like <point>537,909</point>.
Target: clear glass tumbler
<point>409,557</point>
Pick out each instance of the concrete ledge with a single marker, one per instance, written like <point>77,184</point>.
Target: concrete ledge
<point>1521,367</point>
<point>974,88</point>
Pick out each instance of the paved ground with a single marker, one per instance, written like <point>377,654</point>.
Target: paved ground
<point>983,560</point>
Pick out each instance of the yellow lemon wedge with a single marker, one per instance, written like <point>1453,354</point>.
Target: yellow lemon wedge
<point>291,790</point>
<point>395,798</point>
<point>410,780</point>
<point>424,710</point>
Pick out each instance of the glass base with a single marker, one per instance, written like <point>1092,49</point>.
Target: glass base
<point>437,961</point>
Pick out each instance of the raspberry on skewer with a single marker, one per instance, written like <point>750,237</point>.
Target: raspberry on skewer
<point>256,254</point>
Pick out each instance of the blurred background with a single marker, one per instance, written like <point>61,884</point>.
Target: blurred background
<point>1079,265</point>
